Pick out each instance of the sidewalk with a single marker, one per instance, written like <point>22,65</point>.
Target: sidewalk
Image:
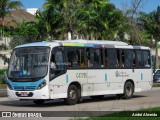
<point>3,93</point>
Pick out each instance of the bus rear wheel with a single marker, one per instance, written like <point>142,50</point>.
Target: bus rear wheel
<point>72,95</point>
<point>38,102</point>
<point>128,90</point>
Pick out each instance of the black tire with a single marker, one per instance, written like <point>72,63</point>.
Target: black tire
<point>72,95</point>
<point>97,96</point>
<point>128,90</point>
<point>38,102</point>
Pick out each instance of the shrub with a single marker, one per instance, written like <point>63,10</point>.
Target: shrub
<point>2,76</point>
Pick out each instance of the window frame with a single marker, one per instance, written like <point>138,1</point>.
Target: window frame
<point>74,49</point>
<point>54,50</point>
<point>142,58</point>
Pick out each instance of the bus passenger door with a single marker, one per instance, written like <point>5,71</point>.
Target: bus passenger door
<point>57,73</point>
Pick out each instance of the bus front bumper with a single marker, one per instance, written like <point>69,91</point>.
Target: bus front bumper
<point>30,95</point>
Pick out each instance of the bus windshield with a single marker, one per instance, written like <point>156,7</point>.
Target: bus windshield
<point>29,62</point>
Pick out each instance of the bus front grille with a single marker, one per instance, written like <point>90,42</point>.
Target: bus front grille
<point>24,88</point>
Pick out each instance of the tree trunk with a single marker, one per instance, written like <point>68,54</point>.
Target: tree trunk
<point>2,27</point>
<point>151,42</point>
<point>156,60</point>
<point>69,35</point>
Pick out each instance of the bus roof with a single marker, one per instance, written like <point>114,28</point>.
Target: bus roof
<point>107,42</point>
<point>84,43</point>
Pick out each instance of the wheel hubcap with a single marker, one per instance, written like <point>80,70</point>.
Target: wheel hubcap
<point>129,91</point>
<point>72,95</point>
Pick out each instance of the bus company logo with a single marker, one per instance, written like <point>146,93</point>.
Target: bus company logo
<point>121,74</point>
<point>6,114</point>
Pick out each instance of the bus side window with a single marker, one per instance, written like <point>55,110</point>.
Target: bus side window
<point>118,58</point>
<point>102,58</point>
<point>90,57</point>
<point>143,59</point>
<point>80,58</point>
<point>53,64</point>
<point>124,59</point>
<point>57,63</point>
<point>72,57</point>
<point>146,59</point>
<point>128,58</point>
<point>139,59</point>
<point>59,60</point>
<point>112,58</point>
<point>106,58</point>
<point>134,59</point>
<point>96,58</point>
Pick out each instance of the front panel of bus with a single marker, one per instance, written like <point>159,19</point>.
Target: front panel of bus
<point>28,73</point>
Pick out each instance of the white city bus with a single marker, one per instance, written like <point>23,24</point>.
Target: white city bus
<point>73,69</point>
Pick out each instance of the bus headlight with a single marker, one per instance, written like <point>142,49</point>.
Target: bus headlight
<point>9,86</point>
<point>41,85</point>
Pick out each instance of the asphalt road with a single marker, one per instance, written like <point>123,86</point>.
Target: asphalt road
<point>141,100</point>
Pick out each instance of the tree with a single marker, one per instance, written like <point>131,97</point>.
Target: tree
<point>6,5</point>
<point>131,23</point>
<point>151,24</point>
<point>60,16</point>
<point>25,33</point>
<point>42,25</point>
<point>90,19</point>
<point>98,19</point>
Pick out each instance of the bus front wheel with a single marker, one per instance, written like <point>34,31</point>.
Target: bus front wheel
<point>128,90</point>
<point>72,95</point>
<point>38,102</point>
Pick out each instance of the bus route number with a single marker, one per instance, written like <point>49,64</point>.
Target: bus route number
<point>81,75</point>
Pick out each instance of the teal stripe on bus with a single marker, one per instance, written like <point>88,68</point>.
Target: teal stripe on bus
<point>66,78</point>
<point>106,77</point>
<point>141,76</point>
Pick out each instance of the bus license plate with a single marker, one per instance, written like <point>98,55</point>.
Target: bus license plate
<point>24,94</point>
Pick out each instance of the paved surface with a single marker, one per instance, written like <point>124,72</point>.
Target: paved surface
<point>141,100</point>
<point>3,93</point>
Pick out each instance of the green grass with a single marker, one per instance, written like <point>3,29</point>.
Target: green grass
<point>156,85</point>
<point>3,86</point>
<point>151,109</point>
<point>126,115</point>
<point>122,118</point>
